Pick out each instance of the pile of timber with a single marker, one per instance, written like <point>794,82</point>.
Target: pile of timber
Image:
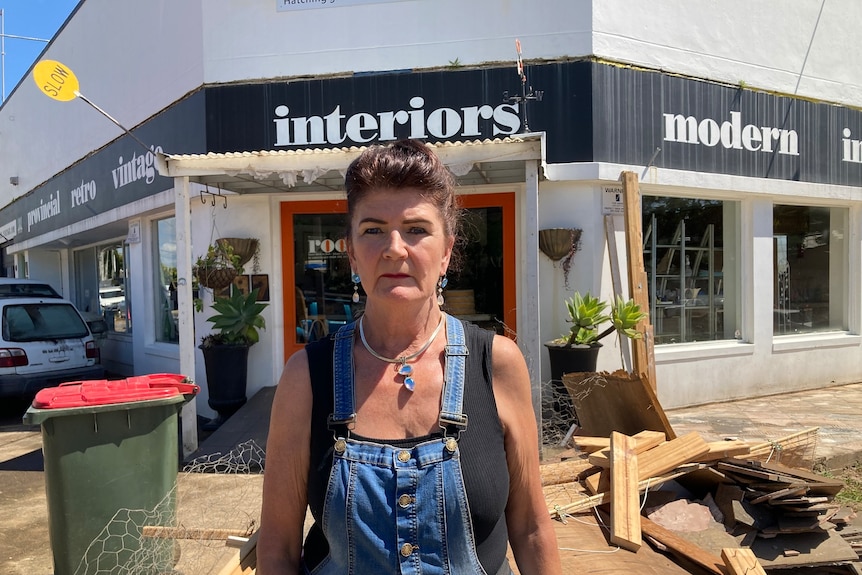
<point>766,515</point>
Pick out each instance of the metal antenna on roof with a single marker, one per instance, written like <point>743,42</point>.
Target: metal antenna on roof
<point>526,95</point>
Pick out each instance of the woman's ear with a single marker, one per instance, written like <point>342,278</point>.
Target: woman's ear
<point>447,256</point>
<point>350,257</point>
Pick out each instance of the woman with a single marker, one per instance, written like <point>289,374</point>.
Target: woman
<point>395,482</point>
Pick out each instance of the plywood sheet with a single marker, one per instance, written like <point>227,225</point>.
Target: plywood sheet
<point>584,548</point>
<point>607,402</point>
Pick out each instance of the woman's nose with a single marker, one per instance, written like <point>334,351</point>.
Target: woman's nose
<point>395,247</point>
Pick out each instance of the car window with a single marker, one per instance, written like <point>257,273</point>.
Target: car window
<point>27,290</point>
<point>39,321</point>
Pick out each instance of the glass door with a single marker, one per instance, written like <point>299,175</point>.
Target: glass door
<point>316,268</point>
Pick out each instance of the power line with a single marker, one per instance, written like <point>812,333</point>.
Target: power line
<point>3,36</point>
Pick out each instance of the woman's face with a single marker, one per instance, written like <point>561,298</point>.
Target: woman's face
<point>398,245</point>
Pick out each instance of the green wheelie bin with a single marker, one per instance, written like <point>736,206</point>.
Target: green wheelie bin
<point>111,458</point>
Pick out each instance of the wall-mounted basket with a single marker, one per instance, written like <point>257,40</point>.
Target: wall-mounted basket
<point>561,244</point>
<point>557,243</point>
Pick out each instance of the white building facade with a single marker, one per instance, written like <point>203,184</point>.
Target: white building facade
<point>741,122</point>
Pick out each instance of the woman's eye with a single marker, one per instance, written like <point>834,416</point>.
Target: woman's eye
<point>417,230</point>
<point>371,231</point>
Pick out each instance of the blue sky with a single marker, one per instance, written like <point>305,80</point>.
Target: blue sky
<point>34,19</point>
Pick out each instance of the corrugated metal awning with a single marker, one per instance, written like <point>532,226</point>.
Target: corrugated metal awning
<point>475,162</point>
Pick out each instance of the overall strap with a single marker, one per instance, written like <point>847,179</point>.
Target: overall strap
<point>344,403</point>
<point>452,411</point>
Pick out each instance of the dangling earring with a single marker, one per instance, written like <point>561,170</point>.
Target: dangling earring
<point>441,283</point>
<point>355,278</point>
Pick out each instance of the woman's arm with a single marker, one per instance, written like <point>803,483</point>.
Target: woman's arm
<point>531,531</point>
<point>285,497</point>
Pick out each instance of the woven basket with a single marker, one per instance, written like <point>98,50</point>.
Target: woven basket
<point>215,278</point>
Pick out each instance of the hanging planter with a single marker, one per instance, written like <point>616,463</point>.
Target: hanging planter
<point>218,268</point>
<point>244,248</point>
<point>215,278</point>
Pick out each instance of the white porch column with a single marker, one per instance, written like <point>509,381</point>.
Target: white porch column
<point>528,298</point>
<point>185,307</point>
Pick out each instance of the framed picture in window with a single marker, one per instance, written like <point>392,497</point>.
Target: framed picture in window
<point>242,284</point>
<point>260,282</point>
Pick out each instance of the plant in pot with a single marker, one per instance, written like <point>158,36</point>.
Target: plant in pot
<point>587,314</point>
<point>225,351</point>
<point>578,350</point>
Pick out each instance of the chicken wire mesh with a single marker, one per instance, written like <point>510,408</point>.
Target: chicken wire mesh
<point>214,497</point>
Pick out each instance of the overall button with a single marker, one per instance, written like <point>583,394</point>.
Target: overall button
<point>451,444</point>
<point>405,500</point>
<point>340,446</point>
<point>407,549</point>
<point>404,456</point>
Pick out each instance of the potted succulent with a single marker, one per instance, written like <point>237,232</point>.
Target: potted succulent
<point>578,350</point>
<point>225,351</point>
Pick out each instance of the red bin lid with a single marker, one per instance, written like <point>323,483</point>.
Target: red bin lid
<point>106,392</point>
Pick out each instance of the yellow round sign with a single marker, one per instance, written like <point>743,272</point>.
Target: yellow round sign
<point>55,80</point>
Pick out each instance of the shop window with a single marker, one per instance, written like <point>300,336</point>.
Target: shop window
<point>809,269</point>
<point>690,256</point>
<point>114,296</point>
<point>165,275</point>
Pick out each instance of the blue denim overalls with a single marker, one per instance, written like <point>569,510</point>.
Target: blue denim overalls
<point>392,510</point>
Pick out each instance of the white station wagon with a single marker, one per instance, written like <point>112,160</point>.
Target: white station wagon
<point>43,341</point>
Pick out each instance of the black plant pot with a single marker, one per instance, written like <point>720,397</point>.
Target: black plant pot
<point>576,359</point>
<point>227,374</point>
<point>566,359</point>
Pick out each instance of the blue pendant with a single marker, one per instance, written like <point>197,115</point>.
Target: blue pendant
<point>405,369</point>
<point>409,383</point>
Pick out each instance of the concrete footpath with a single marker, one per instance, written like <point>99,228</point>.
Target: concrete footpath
<point>835,411</point>
<point>231,499</point>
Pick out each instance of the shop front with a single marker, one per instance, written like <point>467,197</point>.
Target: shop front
<point>752,211</point>
<point>101,231</point>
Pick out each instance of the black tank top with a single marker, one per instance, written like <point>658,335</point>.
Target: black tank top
<point>483,456</point>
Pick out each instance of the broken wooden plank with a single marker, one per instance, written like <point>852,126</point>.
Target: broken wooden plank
<point>618,401</point>
<point>590,444</point>
<point>741,562</point>
<point>780,493</point>
<point>754,470</point>
<point>683,548</point>
<point>723,449</point>
<point>563,472</point>
<point>244,562</point>
<point>643,348</point>
<point>644,441</point>
<point>605,497</point>
<point>625,503</point>
<point>671,454</point>
<point>598,482</point>
<point>165,532</point>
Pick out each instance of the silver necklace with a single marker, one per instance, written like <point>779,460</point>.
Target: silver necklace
<point>404,369</point>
